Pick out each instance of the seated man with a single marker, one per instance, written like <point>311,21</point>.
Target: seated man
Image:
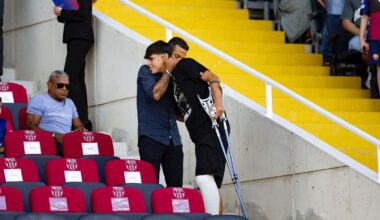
<point>351,22</point>
<point>53,111</point>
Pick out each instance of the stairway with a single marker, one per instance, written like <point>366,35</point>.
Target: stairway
<point>253,42</point>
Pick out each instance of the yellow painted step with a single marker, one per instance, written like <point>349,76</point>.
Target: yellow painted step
<point>295,81</point>
<point>263,58</point>
<point>269,70</point>
<point>240,47</point>
<point>188,3</point>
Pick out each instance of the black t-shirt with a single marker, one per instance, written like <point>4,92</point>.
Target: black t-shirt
<point>187,87</point>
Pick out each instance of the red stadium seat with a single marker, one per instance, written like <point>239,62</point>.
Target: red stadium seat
<point>7,115</point>
<point>120,172</point>
<point>11,199</point>
<point>18,170</point>
<point>117,199</point>
<point>57,199</point>
<point>22,119</point>
<point>177,200</point>
<point>27,142</point>
<point>13,93</point>
<point>77,144</point>
<point>63,170</point>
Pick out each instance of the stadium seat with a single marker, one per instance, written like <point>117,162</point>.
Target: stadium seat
<point>13,93</point>
<point>18,170</point>
<point>120,172</point>
<point>77,144</point>
<point>7,115</point>
<point>11,199</point>
<point>60,171</point>
<point>147,190</point>
<point>86,188</point>
<point>57,199</point>
<point>22,119</point>
<point>117,199</point>
<point>29,142</point>
<point>225,217</point>
<point>25,188</point>
<point>177,200</point>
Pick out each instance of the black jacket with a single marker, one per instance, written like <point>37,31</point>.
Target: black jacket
<point>78,22</point>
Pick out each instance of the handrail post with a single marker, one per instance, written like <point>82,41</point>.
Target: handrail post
<point>245,4</point>
<point>268,99</point>
<point>169,34</point>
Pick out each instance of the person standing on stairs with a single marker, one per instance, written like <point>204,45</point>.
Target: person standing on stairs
<point>79,37</point>
<point>191,81</point>
<point>371,8</point>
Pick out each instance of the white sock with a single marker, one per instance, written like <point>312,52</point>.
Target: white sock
<point>210,193</point>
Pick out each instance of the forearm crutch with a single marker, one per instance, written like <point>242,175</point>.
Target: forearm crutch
<point>208,106</point>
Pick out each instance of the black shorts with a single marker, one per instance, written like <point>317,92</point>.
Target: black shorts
<point>209,155</point>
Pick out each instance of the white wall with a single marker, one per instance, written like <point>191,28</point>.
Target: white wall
<point>283,176</point>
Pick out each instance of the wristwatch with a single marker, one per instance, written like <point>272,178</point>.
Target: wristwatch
<point>53,134</point>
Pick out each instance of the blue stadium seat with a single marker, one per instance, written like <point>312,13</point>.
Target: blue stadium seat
<point>40,161</point>
<point>9,215</point>
<point>164,217</point>
<point>101,162</point>
<point>225,217</point>
<point>39,216</point>
<point>103,217</point>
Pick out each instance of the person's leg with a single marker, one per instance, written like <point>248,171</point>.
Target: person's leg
<point>1,36</point>
<point>210,193</point>
<point>74,66</point>
<point>151,151</point>
<point>172,166</point>
<point>354,44</point>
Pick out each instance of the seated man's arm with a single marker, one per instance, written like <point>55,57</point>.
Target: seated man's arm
<point>216,89</point>
<point>77,125</point>
<point>32,121</point>
<point>350,27</point>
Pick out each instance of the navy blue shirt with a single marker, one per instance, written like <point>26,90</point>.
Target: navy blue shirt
<point>156,119</point>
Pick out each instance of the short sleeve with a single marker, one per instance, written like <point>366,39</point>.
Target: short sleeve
<point>192,68</point>
<point>73,108</point>
<point>348,11</point>
<point>147,81</point>
<point>35,106</point>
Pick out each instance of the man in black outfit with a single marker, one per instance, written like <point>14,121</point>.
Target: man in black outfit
<point>79,37</point>
<point>193,81</point>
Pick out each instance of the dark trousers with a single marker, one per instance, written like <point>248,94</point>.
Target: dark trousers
<point>170,157</point>
<point>75,65</point>
<point>1,36</point>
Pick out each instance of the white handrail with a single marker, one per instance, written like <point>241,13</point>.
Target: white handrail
<point>269,82</point>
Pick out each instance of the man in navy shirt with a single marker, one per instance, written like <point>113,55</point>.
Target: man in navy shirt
<point>159,140</point>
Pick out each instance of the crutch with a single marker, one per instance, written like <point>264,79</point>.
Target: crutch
<point>208,106</point>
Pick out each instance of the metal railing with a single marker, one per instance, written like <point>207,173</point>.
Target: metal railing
<point>269,83</point>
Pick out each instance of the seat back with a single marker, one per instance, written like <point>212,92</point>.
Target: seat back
<point>22,119</point>
<point>62,170</point>
<point>77,144</point>
<point>28,142</point>
<point>11,199</point>
<point>177,200</point>
<point>120,172</point>
<point>18,170</point>
<point>117,199</point>
<point>13,93</point>
<point>57,199</point>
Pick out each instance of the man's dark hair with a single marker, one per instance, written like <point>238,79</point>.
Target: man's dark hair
<point>180,42</point>
<point>158,47</point>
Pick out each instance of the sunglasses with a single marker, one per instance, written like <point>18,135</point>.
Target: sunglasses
<point>61,85</point>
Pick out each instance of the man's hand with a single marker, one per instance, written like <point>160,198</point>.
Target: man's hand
<point>80,129</point>
<point>57,11</point>
<point>219,111</point>
<point>365,46</point>
<point>58,137</point>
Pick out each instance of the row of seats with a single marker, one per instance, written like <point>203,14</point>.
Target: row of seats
<point>74,145</point>
<point>58,171</point>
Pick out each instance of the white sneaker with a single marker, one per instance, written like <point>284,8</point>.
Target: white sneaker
<point>368,81</point>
